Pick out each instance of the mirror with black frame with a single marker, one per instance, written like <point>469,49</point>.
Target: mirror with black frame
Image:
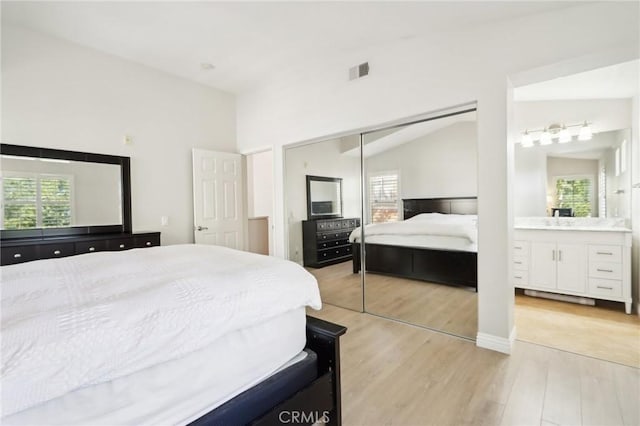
<point>55,192</point>
<point>324,197</point>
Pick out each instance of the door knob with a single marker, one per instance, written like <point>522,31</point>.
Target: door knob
<point>201,228</point>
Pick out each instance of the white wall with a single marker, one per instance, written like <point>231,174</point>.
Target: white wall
<point>635,200</point>
<point>440,164</point>
<point>260,197</point>
<point>61,95</point>
<point>318,159</point>
<point>313,99</point>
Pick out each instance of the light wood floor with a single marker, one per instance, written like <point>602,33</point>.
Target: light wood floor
<point>440,307</point>
<point>603,331</point>
<point>397,374</point>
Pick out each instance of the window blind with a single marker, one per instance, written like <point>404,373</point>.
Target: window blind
<point>383,197</point>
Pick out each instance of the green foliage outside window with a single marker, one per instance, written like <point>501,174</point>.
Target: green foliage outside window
<point>23,209</point>
<point>574,194</point>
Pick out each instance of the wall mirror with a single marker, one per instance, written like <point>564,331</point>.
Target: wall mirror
<point>324,197</point>
<point>47,192</point>
<point>579,179</point>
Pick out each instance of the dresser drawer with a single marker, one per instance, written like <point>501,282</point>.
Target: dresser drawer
<point>600,287</point>
<point>605,254</point>
<point>50,251</point>
<point>91,246</point>
<point>324,225</point>
<point>333,253</point>
<point>149,240</point>
<point>350,223</point>
<point>120,244</point>
<point>521,263</point>
<point>612,271</point>
<point>329,244</point>
<point>329,236</point>
<point>12,255</point>
<point>520,278</point>
<point>521,248</point>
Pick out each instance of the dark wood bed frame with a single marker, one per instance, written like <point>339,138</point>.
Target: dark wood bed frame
<point>452,267</point>
<point>319,401</point>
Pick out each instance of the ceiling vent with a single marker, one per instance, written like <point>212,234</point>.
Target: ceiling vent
<point>359,71</point>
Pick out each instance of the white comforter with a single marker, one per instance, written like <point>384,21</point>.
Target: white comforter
<point>450,225</point>
<point>83,320</point>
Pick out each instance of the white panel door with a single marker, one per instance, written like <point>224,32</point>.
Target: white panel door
<point>542,273</point>
<point>572,267</point>
<point>218,208</point>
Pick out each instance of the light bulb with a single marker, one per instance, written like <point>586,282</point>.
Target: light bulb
<point>585,133</point>
<point>545,137</point>
<point>527,140</point>
<point>564,136</point>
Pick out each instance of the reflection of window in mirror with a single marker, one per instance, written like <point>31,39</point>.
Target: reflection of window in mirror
<point>623,156</point>
<point>602,192</point>
<point>36,200</point>
<point>575,193</point>
<point>384,202</point>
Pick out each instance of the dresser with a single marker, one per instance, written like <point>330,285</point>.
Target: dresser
<point>28,249</point>
<point>326,241</point>
<point>594,264</point>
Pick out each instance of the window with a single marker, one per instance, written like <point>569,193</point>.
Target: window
<point>575,193</point>
<point>36,201</point>
<point>383,197</point>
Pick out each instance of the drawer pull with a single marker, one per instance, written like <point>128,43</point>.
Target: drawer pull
<point>517,262</point>
<point>604,270</point>
<point>604,287</point>
<point>518,277</point>
<point>56,252</point>
<point>608,253</point>
<point>92,249</point>
<point>17,256</point>
<point>121,245</point>
<point>337,251</point>
<point>518,247</point>
<point>148,243</point>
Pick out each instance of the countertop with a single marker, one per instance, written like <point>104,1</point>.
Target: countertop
<point>573,228</point>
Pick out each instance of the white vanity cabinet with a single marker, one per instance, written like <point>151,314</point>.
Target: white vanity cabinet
<point>587,263</point>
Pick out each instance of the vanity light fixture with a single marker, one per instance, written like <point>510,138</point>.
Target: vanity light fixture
<point>545,137</point>
<point>555,130</point>
<point>585,133</point>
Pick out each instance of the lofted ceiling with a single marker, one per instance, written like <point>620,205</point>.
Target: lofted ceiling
<point>248,41</point>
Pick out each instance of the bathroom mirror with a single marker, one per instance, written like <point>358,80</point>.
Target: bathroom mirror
<point>324,197</point>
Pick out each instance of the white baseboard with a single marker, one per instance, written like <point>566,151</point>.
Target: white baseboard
<point>496,343</point>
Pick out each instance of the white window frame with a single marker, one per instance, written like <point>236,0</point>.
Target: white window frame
<point>38,202</point>
<point>591,178</point>
<point>398,192</point>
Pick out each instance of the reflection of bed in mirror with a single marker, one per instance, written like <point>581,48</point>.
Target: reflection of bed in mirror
<point>435,242</point>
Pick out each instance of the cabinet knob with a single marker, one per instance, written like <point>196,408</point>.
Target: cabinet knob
<point>56,252</point>
<point>17,256</point>
<point>121,245</point>
<point>148,243</point>
<point>92,249</point>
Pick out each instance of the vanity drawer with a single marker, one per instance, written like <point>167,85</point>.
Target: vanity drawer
<point>12,255</point>
<point>520,263</point>
<point>120,244</point>
<point>90,246</point>
<point>520,278</point>
<point>50,251</point>
<point>606,270</point>
<point>605,254</point>
<point>599,287</point>
<point>521,248</point>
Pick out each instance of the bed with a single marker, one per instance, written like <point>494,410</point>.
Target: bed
<point>183,334</point>
<point>444,252</point>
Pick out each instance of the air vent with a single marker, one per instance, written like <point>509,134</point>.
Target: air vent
<point>359,71</point>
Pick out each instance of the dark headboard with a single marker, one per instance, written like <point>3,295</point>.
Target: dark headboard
<point>454,205</point>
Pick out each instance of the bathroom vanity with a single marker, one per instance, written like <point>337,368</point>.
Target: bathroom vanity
<point>581,257</point>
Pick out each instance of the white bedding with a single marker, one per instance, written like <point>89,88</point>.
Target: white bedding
<point>89,319</point>
<point>160,395</point>
<point>432,230</point>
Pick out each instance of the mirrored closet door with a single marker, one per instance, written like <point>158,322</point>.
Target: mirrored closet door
<point>420,215</point>
<point>323,207</point>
